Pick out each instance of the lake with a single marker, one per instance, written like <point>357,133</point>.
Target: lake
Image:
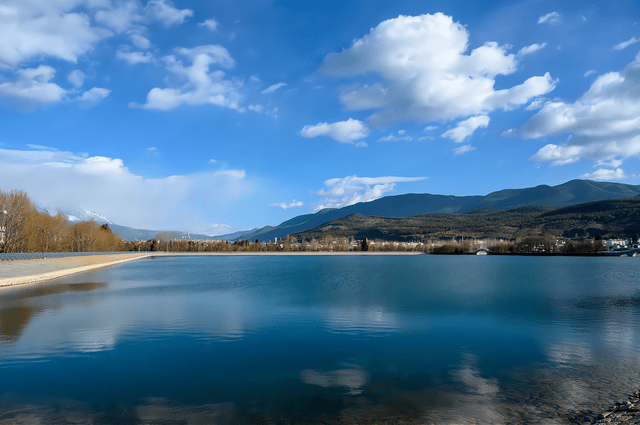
<point>324,339</point>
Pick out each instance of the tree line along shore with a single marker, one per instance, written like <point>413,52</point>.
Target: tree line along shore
<point>24,229</point>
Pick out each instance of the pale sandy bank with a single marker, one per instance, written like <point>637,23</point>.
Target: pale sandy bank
<point>19,272</point>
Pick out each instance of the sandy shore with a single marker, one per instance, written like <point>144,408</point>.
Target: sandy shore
<point>18,272</point>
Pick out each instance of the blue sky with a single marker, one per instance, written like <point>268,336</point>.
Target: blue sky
<point>214,116</point>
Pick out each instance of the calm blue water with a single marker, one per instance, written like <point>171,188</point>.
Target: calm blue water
<point>324,339</point>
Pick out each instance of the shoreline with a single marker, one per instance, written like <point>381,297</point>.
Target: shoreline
<point>21,272</point>
<point>622,412</point>
<point>18,272</point>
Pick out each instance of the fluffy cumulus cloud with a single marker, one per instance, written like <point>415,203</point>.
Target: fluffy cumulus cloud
<point>39,31</point>
<point>133,58</point>
<point>94,95</point>
<point>123,15</point>
<point>343,131</point>
<point>100,184</point>
<point>76,78</point>
<point>285,205</point>
<point>466,128</point>
<point>33,86</point>
<point>604,124</point>
<point>34,29</point>
<point>195,82</point>
<point>350,190</point>
<point>603,174</point>
<point>427,74</point>
<point>211,24</point>
<point>165,12</point>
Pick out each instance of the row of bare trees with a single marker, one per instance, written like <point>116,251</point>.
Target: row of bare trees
<point>25,229</point>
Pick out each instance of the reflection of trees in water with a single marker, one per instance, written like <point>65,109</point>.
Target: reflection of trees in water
<point>13,321</point>
<point>17,307</point>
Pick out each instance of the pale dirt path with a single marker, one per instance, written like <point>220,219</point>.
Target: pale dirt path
<point>17,272</point>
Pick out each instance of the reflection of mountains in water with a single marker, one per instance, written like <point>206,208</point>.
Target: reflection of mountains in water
<point>16,309</point>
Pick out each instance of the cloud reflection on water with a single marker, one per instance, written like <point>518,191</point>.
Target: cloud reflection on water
<point>38,323</point>
<point>353,379</point>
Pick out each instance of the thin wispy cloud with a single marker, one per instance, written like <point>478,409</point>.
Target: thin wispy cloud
<point>285,205</point>
<point>273,88</point>
<point>463,149</point>
<point>550,18</point>
<point>626,44</point>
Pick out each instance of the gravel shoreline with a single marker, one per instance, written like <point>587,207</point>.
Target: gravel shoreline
<point>623,412</point>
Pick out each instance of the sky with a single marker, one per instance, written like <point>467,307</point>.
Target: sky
<point>216,116</point>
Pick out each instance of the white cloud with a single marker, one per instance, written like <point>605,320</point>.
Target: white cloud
<point>197,84</point>
<point>33,87</point>
<point>133,58</point>
<point>613,163</point>
<point>140,41</point>
<point>536,104</point>
<point>466,128</point>
<point>590,72</point>
<point>430,127</point>
<point>218,229</point>
<point>211,24</point>
<point>164,11</point>
<point>152,149</point>
<point>463,149</point>
<point>256,108</point>
<point>602,125</point>
<point>426,73</point>
<point>273,88</point>
<point>603,174</point>
<point>54,178</point>
<point>551,18</point>
<point>349,190</point>
<point>353,379</point>
<point>530,49</point>
<point>212,161</point>
<point>285,205</point>
<point>35,29</point>
<point>121,16</point>
<point>396,138</point>
<point>76,78</point>
<point>343,131</point>
<point>95,94</point>
<point>625,44</point>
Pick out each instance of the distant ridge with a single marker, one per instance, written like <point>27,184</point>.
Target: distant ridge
<point>563,195</point>
<point>609,218</point>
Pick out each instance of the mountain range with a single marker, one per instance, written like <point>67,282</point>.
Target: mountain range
<point>409,205</point>
<point>615,218</point>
